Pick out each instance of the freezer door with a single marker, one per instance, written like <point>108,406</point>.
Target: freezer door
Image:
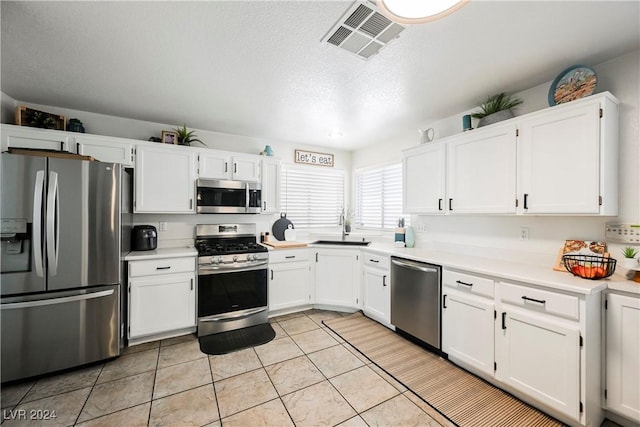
<point>82,223</point>
<point>58,330</point>
<point>22,247</point>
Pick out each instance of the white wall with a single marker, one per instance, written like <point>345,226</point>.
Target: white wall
<point>499,235</point>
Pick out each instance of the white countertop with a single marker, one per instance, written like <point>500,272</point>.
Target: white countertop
<point>507,270</point>
<point>161,253</point>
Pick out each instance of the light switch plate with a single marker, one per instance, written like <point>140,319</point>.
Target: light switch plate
<point>622,233</point>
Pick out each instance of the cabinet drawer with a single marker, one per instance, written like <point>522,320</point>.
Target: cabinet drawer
<point>162,266</point>
<point>291,255</point>
<point>467,282</point>
<point>540,300</point>
<point>374,260</point>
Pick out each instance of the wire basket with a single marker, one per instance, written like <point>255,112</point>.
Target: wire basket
<point>589,266</point>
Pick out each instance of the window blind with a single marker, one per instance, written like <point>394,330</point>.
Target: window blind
<point>312,198</point>
<point>379,197</point>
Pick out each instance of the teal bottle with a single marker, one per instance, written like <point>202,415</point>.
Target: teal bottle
<point>410,237</point>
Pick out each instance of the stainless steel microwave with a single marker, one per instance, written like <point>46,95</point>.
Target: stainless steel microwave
<point>221,196</point>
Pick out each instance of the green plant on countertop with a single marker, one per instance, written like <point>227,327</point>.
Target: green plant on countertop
<point>629,252</point>
<point>495,103</point>
<point>185,136</point>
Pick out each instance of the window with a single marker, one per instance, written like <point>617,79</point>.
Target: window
<point>312,197</point>
<point>379,197</point>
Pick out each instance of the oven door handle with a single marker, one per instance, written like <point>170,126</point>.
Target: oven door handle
<point>214,269</point>
<point>225,317</point>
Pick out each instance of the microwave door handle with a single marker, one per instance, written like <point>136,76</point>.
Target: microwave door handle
<point>53,223</point>
<point>37,223</point>
<point>246,207</point>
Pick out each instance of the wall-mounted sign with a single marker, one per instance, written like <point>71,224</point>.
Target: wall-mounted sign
<point>311,158</point>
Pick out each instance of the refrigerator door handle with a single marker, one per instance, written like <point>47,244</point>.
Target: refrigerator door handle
<point>52,301</point>
<point>37,223</point>
<point>53,223</point>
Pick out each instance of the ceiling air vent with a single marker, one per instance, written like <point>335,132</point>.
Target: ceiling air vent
<point>362,31</point>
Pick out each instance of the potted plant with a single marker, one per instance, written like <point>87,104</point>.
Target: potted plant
<point>630,257</point>
<point>496,108</point>
<point>185,136</point>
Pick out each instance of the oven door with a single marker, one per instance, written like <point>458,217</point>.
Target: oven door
<point>218,196</point>
<point>231,297</point>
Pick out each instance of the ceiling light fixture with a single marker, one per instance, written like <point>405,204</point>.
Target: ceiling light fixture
<point>418,12</point>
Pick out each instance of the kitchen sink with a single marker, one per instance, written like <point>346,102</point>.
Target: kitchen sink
<point>341,242</point>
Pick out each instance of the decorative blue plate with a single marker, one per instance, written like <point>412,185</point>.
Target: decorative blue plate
<point>573,83</point>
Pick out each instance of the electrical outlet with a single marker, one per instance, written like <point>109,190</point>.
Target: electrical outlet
<point>163,226</point>
<point>421,228</point>
<point>524,233</point>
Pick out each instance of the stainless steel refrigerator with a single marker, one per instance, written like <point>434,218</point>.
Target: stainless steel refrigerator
<point>60,263</point>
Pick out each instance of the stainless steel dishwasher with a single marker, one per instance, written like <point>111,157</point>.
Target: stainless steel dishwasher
<point>415,299</point>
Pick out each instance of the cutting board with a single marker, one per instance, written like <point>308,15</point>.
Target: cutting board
<point>285,245</point>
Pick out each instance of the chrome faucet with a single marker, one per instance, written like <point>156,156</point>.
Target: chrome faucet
<point>343,224</point>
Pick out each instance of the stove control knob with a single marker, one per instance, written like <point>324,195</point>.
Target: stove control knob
<point>249,257</point>
<point>235,258</point>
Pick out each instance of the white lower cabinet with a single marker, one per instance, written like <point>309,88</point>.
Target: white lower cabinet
<point>623,356</point>
<point>537,352</point>
<point>337,273</point>
<point>162,296</point>
<point>468,320</point>
<point>289,279</point>
<point>376,298</point>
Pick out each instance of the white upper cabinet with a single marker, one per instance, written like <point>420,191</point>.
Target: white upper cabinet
<point>568,158</point>
<point>481,171</point>
<point>561,160</point>
<point>270,185</point>
<point>39,139</point>
<point>221,165</point>
<point>164,179</point>
<point>105,149</point>
<point>423,171</point>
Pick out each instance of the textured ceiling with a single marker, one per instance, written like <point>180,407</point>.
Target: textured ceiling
<point>258,68</point>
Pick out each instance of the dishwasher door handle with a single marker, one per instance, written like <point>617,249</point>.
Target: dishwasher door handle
<point>414,266</point>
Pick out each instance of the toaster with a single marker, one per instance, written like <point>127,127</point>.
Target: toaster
<point>144,238</point>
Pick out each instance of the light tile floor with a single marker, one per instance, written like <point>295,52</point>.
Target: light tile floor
<point>306,376</point>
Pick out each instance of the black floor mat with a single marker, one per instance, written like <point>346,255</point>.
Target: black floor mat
<point>227,342</point>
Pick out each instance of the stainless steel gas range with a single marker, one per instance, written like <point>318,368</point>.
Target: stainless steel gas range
<point>232,278</point>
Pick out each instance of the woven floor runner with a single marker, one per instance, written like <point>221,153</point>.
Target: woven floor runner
<point>460,396</point>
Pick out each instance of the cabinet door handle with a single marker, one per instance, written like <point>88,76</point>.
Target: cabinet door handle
<point>464,283</point>
<point>235,168</point>
<point>191,284</point>
<point>450,207</point>
<point>374,260</point>
<point>539,301</point>
<point>316,256</point>
<point>265,206</point>
<point>77,148</point>
<point>271,274</point>
<point>190,203</point>
<point>439,204</point>
<point>163,268</point>
<point>444,301</point>
<point>526,201</point>
<point>290,256</point>
<point>226,169</point>
<point>384,280</point>
<point>504,318</point>
<point>61,145</point>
